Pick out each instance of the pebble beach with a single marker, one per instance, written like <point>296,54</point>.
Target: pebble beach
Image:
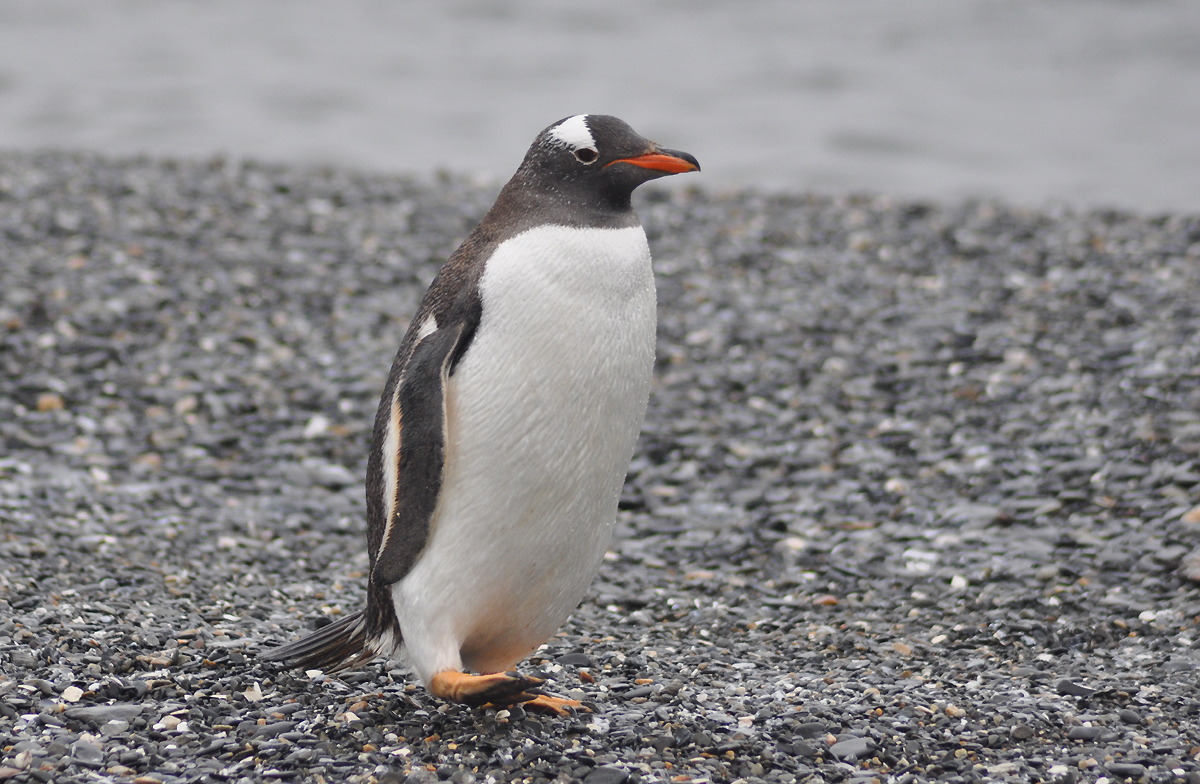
<point>917,497</point>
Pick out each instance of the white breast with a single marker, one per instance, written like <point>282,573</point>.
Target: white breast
<point>543,414</point>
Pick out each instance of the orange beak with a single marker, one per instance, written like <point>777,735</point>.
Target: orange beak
<point>671,164</point>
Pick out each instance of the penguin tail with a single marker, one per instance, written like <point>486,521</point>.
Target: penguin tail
<point>342,645</point>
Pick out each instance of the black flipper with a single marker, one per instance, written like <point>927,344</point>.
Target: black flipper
<point>354,640</point>
<point>416,383</point>
<point>422,401</point>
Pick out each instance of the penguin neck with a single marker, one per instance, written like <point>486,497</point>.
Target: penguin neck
<point>528,201</point>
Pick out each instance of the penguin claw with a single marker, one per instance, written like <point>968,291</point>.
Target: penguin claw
<point>532,680</point>
<point>475,690</point>
<point>501,690</point>
<point>557,706</point>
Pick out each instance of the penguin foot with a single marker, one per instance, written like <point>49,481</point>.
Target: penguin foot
<point>554,705</point>
<point>502,688</point>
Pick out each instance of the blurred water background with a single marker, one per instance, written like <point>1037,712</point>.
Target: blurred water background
<point>1091,102</point>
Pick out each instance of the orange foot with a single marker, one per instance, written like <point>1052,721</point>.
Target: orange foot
<point>554,705</point>
<point>502,688</point>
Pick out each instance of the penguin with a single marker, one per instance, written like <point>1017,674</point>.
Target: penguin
<point>507,425</point>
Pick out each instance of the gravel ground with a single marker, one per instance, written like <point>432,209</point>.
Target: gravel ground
<point>917,496</point>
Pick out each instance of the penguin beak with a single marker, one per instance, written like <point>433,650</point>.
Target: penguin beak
<point>668,161</point>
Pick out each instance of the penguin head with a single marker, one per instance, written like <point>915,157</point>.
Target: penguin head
<point>599,156</point>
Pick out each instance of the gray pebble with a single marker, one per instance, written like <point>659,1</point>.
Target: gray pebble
<point>1084,733</point>
<point>273,729</point>
<point>1066,686</point>
<point>852,748</point>
<point>814,729</point>
<point>1022,732</point>
<point>23,659</point>
<point>103,714</point>
<point>607,774</point>
<point>806,748</point>
<point>87,754</point>
<point>1126,769</point>
<point>1129,716</point>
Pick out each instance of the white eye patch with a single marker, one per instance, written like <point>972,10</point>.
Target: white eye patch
<point>573,132</point>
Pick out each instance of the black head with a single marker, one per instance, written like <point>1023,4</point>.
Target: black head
<point>594,162</point>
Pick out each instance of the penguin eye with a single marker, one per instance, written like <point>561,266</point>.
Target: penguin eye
<point>586,155</point>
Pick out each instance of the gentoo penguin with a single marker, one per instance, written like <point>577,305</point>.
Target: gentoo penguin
<point>507,424</point>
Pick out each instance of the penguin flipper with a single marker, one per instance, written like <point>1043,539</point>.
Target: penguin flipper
<point>418,409</point>
<point>420,401</point>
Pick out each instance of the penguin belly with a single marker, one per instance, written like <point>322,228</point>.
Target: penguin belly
<point>542,416</point>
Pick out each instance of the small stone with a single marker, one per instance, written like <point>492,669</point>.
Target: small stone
<point>575,660</point>
<point>24,659</point>
<point>168,723</point>
<point>1022,732</point>
<point>852,748</point>
<point>607,774</point>
<point>273,729</point>
<point>421,776</point>
<point>1126,770</point>
<point>810,729</point>
<point>803,748</point>
<point>392,776</point>
<point>1069,687</point>
<point>1046,573</point>
<point>88,754</point>
<point>1189,566</point>
<point>1179,664</point>
<point>1129,716</point>
<point>72,694</point>
<point>1084,733</point>
<point>115,727</point>
<point>49,402</point>
<point>100,715</point>
<point>331,475</point>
